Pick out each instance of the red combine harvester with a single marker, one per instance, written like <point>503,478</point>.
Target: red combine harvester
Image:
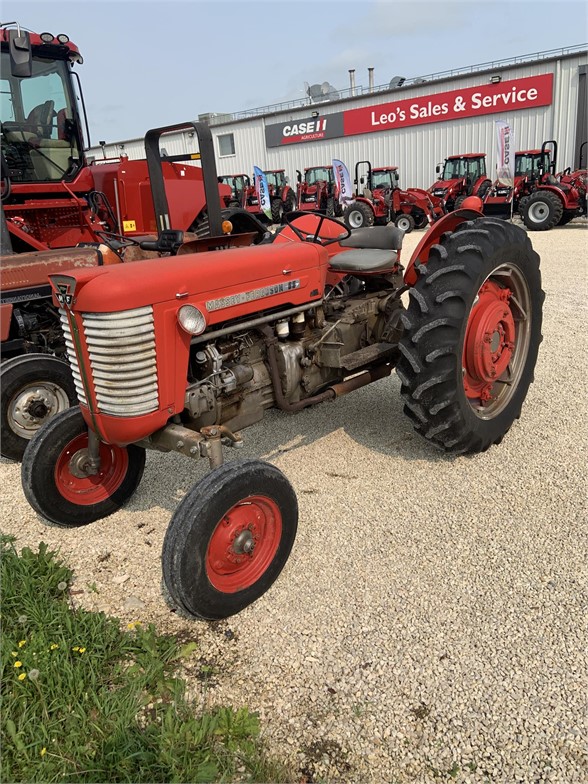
<point>378,199</point>
<point>191,351</point>
<point>461,176</point>
<point>317,192</point>
<point>54,204</point>
<point>552,202</point>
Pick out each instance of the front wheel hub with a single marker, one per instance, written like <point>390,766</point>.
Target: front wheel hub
<point>33,405</point>
<point>489,341</point>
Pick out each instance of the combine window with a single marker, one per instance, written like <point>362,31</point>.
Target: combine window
<point>275,179</point>
<point>40,138</point>
<point>455,168</point>
<point>226,144</point>
<point>528,165</point>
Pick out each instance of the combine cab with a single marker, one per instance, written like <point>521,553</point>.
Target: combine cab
<point>461,176</point>
<point>378,199</point>
<point>317,192</point>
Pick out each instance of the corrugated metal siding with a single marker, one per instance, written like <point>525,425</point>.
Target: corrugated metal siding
<point>415,149</point>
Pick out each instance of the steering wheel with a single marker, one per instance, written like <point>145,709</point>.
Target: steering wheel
<point>290,217</point>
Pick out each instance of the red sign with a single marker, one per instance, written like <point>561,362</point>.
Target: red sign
<point>526,93</point>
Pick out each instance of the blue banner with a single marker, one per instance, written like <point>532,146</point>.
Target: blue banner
<point>262,190</point>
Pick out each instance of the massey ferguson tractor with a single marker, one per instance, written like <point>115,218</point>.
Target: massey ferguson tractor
<point>189,353</point>
<point>378,199</point>
<point>461,176</point>
<point>53,202</point>
<point>552,202</point>
<point>317,191</point>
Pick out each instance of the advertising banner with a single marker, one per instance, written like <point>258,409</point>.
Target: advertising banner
<point>343,181</point>
<point>262,190</point>
<point>529,92</point>
<point>505,166</point>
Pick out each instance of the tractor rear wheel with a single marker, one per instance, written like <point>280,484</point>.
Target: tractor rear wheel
<point>420,220</point>
<point>330,207</point>
<point>404,221</point>
<point>357,215</point>
<point>276,210</point>
<point>35,387</point>
<point>542,211</point>
<point>55,481</point>
<point>567,216</point>
<point>229,539</point>
<point>472,334</point>
<point>521,205</point>
<point>289,202</point>
<point>459,201</point>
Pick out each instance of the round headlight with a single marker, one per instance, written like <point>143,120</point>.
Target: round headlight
<point>227,227</point>
<point>47,37</point>
<point>63,38</point>
<point>191,319</point>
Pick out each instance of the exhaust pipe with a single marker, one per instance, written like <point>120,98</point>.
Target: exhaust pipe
<point>371,79</point>
<point>352,81</point>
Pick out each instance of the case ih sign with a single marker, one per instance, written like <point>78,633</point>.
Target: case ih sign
<point>526,93</point>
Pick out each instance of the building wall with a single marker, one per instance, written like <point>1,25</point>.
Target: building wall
<point>415,149</point>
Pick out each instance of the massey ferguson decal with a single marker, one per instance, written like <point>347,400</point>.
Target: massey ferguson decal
<point>527,93</point>
<point>313,129</point>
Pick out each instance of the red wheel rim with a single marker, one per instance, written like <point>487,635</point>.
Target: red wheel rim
<point>93,488</point>
<point>489,342</point>
<point>243,544</point>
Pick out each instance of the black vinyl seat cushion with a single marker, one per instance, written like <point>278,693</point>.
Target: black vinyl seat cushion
<point>364,260</point>
<point>375,237</point>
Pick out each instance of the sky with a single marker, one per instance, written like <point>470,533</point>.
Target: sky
<point>148,64</point>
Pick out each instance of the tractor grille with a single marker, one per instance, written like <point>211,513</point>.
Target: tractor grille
<point>72,357</point>
<point>121,347</point>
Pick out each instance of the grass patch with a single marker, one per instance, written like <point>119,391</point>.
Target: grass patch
<point>83,701</point>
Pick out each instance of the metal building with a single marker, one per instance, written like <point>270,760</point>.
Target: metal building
<point>412,123</point>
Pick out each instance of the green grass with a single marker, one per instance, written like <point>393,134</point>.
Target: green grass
<point>83,701</point>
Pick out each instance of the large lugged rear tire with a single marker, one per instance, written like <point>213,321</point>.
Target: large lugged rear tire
<point>542,211</point>
<point>54,481</point>
<point>229,539</point>
<point>357,215</point>
<point>35,387</point>
<point>472,333</point>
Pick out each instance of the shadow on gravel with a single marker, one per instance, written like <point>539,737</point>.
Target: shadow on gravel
<point>372,417</point>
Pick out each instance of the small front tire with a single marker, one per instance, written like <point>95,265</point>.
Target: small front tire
<point>35,387</point>
<point>404,221</point>
<point>229,539</point>
<point>54,481</point>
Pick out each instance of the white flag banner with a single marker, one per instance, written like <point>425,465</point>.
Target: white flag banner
<point>505,167</point>
<point>343,181</point>
<point>262,190</point>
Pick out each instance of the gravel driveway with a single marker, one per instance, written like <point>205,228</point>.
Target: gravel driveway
<point>431,622</point>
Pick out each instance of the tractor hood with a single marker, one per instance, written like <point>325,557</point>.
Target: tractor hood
<point>222,284</point>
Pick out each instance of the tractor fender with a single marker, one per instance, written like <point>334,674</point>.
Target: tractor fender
<point>448,222</point>
<point>559,193</point>
<point>364,201</point>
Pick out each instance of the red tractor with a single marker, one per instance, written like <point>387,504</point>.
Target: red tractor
<point>190,352</point>
<point>58,212</point>
<point>461,176</point>
<point>552,202</point>
<point>502,200</point>
<point>317,192</point>
<point>577,179</point>
<point>378,199</point>
<point>283,196</point>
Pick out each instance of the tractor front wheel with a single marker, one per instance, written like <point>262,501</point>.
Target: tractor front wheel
<point>276,210</point>
<point>229,539</point>
<point>472,334</point>
<point>358,215</point>
<point>56,481</point>
<point>289,203</point>
<point>35,387</point>
<point>404,221</point>
<point>542,211</point>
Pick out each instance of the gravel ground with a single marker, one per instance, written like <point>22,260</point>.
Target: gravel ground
<point>430,623</point>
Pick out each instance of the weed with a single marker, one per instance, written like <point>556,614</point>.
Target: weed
<point>91,703</point>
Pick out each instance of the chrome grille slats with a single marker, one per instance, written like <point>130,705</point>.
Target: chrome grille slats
<point>72,357</point>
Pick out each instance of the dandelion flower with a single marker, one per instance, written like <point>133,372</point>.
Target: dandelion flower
<point>22,619</point>
<point>18,664</point>
<point>134,624</point>
<point>82,650</point>
<point>61,586</point>
<point>14,653</point>
<point>21,643</point>
<point>76,648</point>
<point>54,645</point>
<point>22,676</point>
<point>34,674</point>
<point>43,751</point>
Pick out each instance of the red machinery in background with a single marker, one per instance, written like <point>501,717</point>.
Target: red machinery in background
<point>461,176</point>
<point>378,199</point>
<point>317,191</point>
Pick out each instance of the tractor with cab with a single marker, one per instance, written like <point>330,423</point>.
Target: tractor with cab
<point>317,191</point>
<point>187,355</point>
<point>460,176</point>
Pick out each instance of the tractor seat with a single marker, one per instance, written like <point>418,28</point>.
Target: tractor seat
<point>364,260</point>
<point>375,237</point>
